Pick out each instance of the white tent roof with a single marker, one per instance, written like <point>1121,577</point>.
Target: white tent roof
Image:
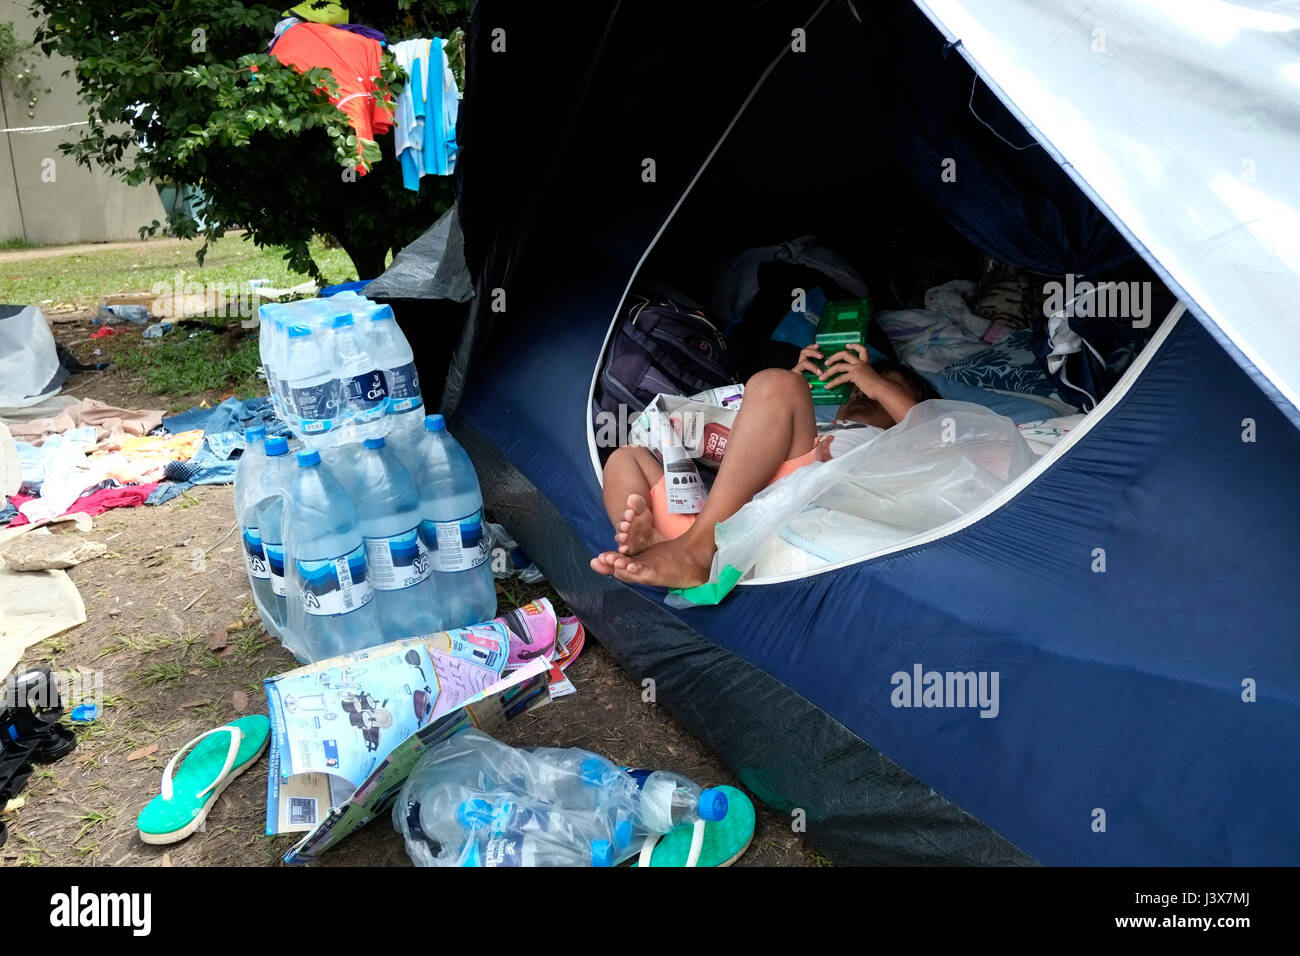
<point>1181,119</point>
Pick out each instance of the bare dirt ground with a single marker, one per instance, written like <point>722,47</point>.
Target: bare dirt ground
<point>173,629</point>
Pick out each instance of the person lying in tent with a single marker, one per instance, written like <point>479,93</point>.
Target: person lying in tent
<point>774,435</point>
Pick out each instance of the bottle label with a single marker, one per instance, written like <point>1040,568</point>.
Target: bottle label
<point>286,393</point>
<point>335,586</point>
<point>512,848</point>
<point>638,775</point>
<point>397,562</point>
<point>456,545</point>
<point>254,556</point>
<point>275,565</point>
<point>316,406</point>
<point>403,388</point>
<point>366,393</point>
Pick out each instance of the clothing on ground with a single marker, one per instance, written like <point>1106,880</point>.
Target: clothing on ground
<point>111,424</point>
<point>97,502</point>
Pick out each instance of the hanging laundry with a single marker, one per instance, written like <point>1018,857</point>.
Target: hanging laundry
<point>280,27</point>
<point>321,11</point>
<point>353,59</point>
<point>425,124</point>
<point>357,28</point>
<point>364,31</point>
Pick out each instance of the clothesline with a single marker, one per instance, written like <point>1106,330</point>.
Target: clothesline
<point>24,130</point>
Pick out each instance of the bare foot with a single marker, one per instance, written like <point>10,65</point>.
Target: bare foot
<point>636,531</point>
<point>680,563</point>
<point>603,563</point>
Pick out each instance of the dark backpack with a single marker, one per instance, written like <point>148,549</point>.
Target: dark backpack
<point>660,345</point>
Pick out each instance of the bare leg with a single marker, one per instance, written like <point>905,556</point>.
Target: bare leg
<point>775,424</point>
<point>630,473</point>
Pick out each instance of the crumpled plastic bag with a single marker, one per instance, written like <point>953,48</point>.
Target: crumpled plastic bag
<point>517,563</point>
<point>940,463</point>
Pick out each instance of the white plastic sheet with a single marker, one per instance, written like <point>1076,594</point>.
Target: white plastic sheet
<point>28,359</point>
<point>941,462</point>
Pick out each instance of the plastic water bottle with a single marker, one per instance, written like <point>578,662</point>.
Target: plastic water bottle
<point>250,490</point>
<point>342,461</point>
<point>589,786</point>
<point>268,334</point>
<point>508,833</point>
<point>451,509</point>
<point>269,512</point>
<point>388,506</point>
<point>577,778</point>
<point>567,833</point>
<point>332,612</point>
<point>312,375</point>
<point>389,350</point>
<point>530,849</point>
<point>667,800</point>
<point>363,389</point>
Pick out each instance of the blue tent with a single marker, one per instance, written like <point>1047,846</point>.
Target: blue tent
<point>1148,705</point>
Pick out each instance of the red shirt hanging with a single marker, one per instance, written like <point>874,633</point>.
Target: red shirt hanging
<point>354,61</point>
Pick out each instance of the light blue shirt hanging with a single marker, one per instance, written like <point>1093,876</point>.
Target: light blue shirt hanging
<point>426,111</point>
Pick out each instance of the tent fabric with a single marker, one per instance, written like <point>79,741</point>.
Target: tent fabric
<point>1135,600</point>
<point>1004,192</point>
<point>1179,118</point>
<point>859,805</point>
<point>30,371</point>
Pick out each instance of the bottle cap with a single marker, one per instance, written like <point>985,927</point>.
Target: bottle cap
<point>713,805</point>
<point>343,321</point>
<point>298,331</point>
<point>277,446</point>
<point>308,457</point>
<point>374,442</point>
<point>435,423</point>
<point>255,434</point>
<point>474,814</point>
<point>381,313</point>
<point>602,854</point>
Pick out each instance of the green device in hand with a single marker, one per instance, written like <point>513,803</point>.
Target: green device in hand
<point>842,323</point>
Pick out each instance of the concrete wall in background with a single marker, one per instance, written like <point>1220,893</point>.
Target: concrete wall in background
<point>80,205</point>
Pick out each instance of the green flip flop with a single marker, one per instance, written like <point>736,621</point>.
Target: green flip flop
<point>188,793</point>
<point>722,843</point>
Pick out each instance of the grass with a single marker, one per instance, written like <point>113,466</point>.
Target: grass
<point>90,820</point>
<point>17,242</point>
<point>164,672</point>
<point>85,278</point>
<point>185,364</point>
<point>30,854</point>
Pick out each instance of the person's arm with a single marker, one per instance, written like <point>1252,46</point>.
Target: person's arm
<point>852,366</point>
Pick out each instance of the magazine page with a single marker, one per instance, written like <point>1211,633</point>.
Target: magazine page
<point>334,721</point>
<point>523,690</point>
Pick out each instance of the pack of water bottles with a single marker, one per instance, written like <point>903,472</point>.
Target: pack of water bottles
<point>473,801</point>
<point>340,370</point>
<point>373,531</point>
